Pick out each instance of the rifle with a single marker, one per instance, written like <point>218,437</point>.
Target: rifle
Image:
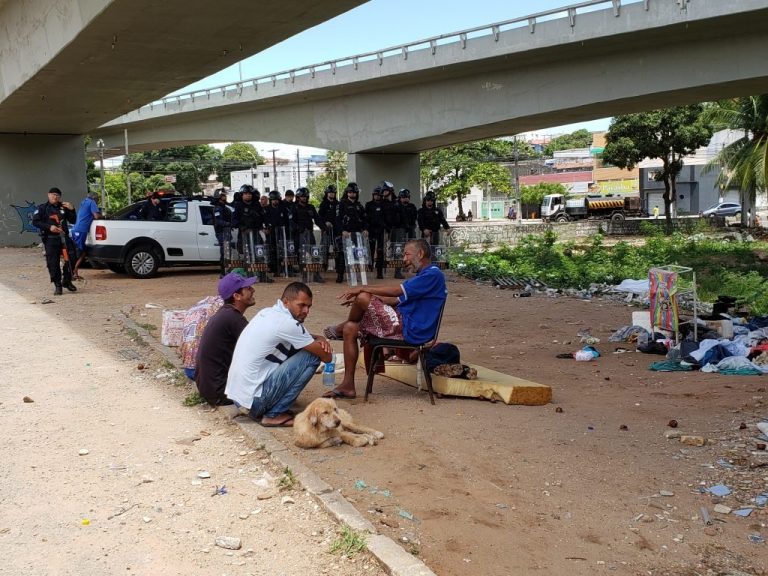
<point>64,242</point>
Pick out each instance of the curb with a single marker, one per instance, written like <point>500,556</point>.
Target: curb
<point>394,560</point>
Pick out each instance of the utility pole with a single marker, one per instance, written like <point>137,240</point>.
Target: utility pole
<point>127,174</point>
<point>100,146</point>
<point>274,168</point>
<point>298,170</point>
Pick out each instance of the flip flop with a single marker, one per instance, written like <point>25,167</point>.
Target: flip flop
<point>335,394</point>
<point>330,333</point>
<point>287,423</point>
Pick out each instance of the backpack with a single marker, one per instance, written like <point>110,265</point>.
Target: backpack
<point>442,353</point>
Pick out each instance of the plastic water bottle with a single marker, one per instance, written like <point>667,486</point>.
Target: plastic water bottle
<point>329,374</point>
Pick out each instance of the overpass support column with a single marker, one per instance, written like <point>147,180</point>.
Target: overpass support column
<point>30,165</point>
<point>370,169</point>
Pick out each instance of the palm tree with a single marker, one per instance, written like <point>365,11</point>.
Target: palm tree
<point>743,162</point>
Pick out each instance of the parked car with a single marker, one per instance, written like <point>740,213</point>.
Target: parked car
<point>723,209</point>
<point>125,244</point>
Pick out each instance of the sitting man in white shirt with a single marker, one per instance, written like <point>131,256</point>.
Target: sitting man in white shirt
<point>275,357</point>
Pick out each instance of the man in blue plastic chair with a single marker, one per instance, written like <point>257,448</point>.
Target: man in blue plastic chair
<point>409,311</point>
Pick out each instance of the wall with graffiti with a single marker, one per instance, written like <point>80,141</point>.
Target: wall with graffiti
<point>29,166</point>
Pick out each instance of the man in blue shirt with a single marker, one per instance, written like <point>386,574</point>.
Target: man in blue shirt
<point>409,311</point>
<point>87,213</point>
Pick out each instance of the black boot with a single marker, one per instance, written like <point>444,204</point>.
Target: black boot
<point>317,277</point>
<point>71,287</point>
<point>57,289</point>
<point>379,275</point>
<point>339,278</point>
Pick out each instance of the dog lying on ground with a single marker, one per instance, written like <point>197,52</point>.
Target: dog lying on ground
<point>323,424</point>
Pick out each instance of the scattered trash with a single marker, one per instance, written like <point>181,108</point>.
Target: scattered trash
<point>83,452</point>
<point>85,521</point>
<point>287,500</point>
<point>672,434</point>
<point>693,440</point>
<point>743,512</point>
<point>559,410</point>
<point>502,506</point>
<point>46,301</point>
<point>722,509</point>
<point>405,514</point>
<point>722,462</point>
<point>150,305</point>
<point>586,354</point>
<point>719,490</point>
<point>666,493</point>
<point>204,474</point>
<point>762,499</point>
<point>672,423</point>
<point>705,516</point>
<point>27,400</point>
<point>743,426</point>
<point>360,485</point>
<point>625,428</point>
<point>756,539</point>
<point>220,491</point>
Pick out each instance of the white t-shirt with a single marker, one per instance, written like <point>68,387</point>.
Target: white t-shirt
<point>270,339</point>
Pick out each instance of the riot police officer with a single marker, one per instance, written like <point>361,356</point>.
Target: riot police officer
<point>327,213</point>
<point>222,225</point>
<point>430,218</point>
<point>276,220</point>
<point>248,217</point>
<point>53,219</point>
<point>304,219</point>
<point>350,219</point>
<point>405,216</point>
<point>376,212</point>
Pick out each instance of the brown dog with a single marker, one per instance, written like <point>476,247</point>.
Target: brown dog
<point>323,424</point>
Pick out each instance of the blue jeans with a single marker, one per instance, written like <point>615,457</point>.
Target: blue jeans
<point>284,385</point>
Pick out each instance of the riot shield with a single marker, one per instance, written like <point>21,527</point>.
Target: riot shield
<point>232,258</point>
<point>356,259</point>
<point>328,243</point>
<point>288,257</point>
<point>256,254</point>
<point>311,260</point>
<point>395,250</point>
<point>439,256</point>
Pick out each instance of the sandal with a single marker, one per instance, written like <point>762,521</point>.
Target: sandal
<point>330,333</point>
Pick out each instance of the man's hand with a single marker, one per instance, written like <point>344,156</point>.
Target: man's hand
<point>326,346</point>
<point>348,297</point>
<point>68,205</point>
<point>55,230</point>
<point>427,233</point>
<point>328,225</point>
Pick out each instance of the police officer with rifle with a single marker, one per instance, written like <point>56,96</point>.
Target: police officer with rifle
<point>53,219</point>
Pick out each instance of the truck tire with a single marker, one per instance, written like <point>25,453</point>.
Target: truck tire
<point>142,262</point>
<point>617,217</point>
<point>562,218</point>
<point>116,268</point>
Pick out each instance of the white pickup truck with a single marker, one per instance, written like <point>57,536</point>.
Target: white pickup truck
<point>123,243</point>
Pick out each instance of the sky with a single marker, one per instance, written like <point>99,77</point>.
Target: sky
<point>381,24</point>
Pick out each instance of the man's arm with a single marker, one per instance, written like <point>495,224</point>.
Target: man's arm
<point>392,291</point>
<point>320,348</point>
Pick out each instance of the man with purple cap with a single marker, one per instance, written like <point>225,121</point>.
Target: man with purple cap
<point>217,343</point>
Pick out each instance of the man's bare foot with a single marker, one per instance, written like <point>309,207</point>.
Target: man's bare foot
<point>338,393</point>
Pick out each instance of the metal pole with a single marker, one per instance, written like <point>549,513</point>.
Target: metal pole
<point>517,185</point>
<point>298,169</point>
<point>100,146</point>
<point>128,174</point>
<point>274,168</point>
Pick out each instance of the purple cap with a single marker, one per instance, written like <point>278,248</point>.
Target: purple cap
<point>233,282</point>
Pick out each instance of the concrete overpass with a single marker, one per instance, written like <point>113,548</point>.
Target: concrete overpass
<point>69,66</point>
<point>508,78</point>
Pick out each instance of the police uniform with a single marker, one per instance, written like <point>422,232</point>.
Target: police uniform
<point>431,219</point>
<point>376,212</point>
<point>222,226</point>
<point>45,217</point>
<point>276,219</point>
<point>350,217</point>
<point>404,216</point>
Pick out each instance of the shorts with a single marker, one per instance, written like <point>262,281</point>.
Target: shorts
<point>380,321</point>
<point>79,239</point>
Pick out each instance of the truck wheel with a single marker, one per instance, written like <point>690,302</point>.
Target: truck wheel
<point>562,218</point>
<point>116,268</point>
<point>617,217</point>
<point>142,262</point>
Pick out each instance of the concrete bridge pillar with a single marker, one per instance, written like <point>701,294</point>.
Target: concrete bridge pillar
<point>370,169</point>
<point>29,166</point>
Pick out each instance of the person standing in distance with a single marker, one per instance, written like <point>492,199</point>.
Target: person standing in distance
<point>430,218</point>
<point>275,357</point>
<point>86,213</point>
<point>217,344</point>
<point>153,209</point>
<point>53,219</point>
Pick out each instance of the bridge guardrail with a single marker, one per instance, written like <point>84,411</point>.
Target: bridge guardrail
<point>403,50</point>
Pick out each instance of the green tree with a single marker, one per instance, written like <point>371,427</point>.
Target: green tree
<point>453,170</point>
<point>745,161</point>
<point>238,156</point>
<point>668,135</point>
<point>579,139</point>
<point>336,168</point>
<point>533,195</point>
<point>317,185</point>
<point>191,165</point>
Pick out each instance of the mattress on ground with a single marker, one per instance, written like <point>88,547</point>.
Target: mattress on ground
<point>490,384</point>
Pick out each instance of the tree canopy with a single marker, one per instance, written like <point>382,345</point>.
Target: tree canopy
<point>578,139</point>
<point>533,195</point>
<point>669,135</point>
<point>450,172</point>
<point>191,165</point>
<point>744,162</point>
<point>238,156</point>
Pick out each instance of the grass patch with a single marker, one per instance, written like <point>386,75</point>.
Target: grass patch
<point>135,336</point>
<point>349,542</point>
<point>722,266</point>
<point>147,327</point>
<point>193,399</point>
<point>287,480</point>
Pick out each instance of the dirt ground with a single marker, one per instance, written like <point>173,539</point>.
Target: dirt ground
<point>480,488</point>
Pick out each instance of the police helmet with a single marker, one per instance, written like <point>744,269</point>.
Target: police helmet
<point>377,191</point>
<point>289,193</point>
<point>430,196</point>
<point>352,187</point>
<point>387,186</point>
<point>404,193</point>
<point>274,195</point>
<point>301,192</point>
<point>246,188</point>
<point>220,193</point>
<point>330,189</point>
